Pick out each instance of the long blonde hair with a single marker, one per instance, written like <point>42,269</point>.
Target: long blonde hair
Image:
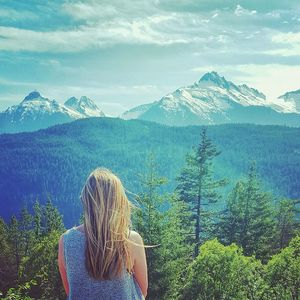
<point>106,224</point>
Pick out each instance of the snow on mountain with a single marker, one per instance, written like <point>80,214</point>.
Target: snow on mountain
<point>292,99</point>
<point>211,100</point>
<point>84,106</point>
<point>137,111</point>
<point>36,112</point>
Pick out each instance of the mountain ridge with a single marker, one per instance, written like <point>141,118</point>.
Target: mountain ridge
<point>36,112</point>
<point>214,100</point>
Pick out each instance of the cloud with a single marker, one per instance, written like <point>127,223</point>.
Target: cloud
<point>289,44</point>
<point>140,31</point>
<point>85,11</point>
<point>240,11</point>
<point>160,23</point>
<point>15,15</point>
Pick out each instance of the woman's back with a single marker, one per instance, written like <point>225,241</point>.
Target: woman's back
<point>81,285</point>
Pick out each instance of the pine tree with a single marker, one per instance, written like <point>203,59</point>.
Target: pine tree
<point>15,240</point>
<point>175,249</point>
<point>26,230</point>
<point>286,222</point>
<point>37,219</point>
<point>198,187</point>
<point>7,275</point>
<point>148,221</point>
<point>249,217</point>
<point>52,218</point>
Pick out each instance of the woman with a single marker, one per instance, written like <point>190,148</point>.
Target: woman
<point>102,258</point>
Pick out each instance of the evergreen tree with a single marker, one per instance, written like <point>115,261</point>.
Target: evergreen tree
<point>248,218</point>
<point>286,222</point>
<point>37,220</point>
<point>232,217</point>
<point>198,187</point>
<point>42,267</point>
<point>26,230</point>
<point>52,218</point>
<point>175,249</point>
<point>7,276</point>
<point>148,220</point>
<point>15,240</point>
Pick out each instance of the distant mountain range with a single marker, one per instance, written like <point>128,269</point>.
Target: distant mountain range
<point>211,100</point>
<point>36,112</point>
<point>214,100</point>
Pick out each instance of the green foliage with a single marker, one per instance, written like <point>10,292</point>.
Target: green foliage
<point>165,230</point>
<point>57,160</point>
<point>248,219</point>
<point>286,222</point>
<point>222,272</point>
<point>197,186</point>
<point>283,272</point>
<point>42,267</point>
<point>52,218</point>
<point>20,292</point>
<point>175,249</point>
<point>37,219</point>
<point>29,256</point>
<point>148,220</point>
<point>8,274</point>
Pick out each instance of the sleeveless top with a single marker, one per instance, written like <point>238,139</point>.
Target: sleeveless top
<point>82,286</point>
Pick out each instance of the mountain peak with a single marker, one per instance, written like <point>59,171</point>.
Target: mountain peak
<point>32,95</point>
<point>87,101</point>
<point>72,101</point>
<point>85,106</point>
<point>215,78</point>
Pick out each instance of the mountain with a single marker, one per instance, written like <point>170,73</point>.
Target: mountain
<point>55,162</point>
<point>214,100</point>
<point>36,112</point>
<point>292,98</point>
<point>84,106</point>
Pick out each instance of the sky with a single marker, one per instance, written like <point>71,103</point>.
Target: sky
<point>125,53</point>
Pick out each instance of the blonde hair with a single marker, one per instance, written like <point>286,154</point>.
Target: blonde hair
<point>106,223</point>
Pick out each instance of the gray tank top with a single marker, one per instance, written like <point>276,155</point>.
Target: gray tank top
<point>82,286</point>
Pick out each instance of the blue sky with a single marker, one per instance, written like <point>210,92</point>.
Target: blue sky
<point>125,53</point>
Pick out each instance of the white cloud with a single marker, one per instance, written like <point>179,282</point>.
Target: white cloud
<point>240,11</point>
<point>290,44</point>
<point>148,30</point>
<point>88,11</point>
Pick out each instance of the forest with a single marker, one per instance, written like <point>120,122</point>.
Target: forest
<point>56,161</point>
<point>247,248</point>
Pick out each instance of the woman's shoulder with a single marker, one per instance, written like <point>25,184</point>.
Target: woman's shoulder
<point>69,231</point>
<point>135,237</point>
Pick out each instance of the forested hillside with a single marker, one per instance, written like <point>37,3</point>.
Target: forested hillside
<point>249,249</point>
<point>55,162</point>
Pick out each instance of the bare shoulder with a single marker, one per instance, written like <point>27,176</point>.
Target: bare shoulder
<point>135,237</point>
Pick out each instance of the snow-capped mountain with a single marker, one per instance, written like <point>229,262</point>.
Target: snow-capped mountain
<point>36,112</point>
<point>293,99</point>
<point>214,100</point>
<point>84,106</point>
